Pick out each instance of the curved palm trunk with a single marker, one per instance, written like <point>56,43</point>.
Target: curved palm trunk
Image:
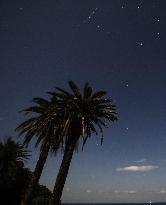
<point>36,175</point>
<point>2,165</point>
<point>62,175</point>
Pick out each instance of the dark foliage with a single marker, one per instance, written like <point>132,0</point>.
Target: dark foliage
<point>14,177</point>
<point>85,113</point>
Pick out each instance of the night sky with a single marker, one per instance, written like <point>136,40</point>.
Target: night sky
<point>117,46</point>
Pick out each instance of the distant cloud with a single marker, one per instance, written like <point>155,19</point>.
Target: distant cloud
<point>141,160</point>
<point>138,168</point>
<point>131,192</point>
<point>163,192</point>
<point>127,192</point>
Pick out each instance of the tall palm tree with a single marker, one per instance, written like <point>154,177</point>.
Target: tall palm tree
<point>84,114</point>
<point>11,154</point>
<point>44,127</point>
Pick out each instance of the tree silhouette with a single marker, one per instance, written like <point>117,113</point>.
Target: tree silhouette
<point>44,126</point>
<point>83,114</point>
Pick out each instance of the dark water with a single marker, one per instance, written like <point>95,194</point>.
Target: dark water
<point>119,204</point>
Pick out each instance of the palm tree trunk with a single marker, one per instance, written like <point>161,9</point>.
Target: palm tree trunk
<point>36,175</point>
<point>2,166</point>
<point>62,175</point>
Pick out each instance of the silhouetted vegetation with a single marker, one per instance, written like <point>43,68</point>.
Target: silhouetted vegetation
<point>84,113</point>
<point>14,177</point>
<point>44,127</point>
<point>59,122</point>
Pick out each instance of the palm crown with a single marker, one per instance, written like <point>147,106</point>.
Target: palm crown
<point>83,113</point>
<point>44,126</point>
<point>11,153</point>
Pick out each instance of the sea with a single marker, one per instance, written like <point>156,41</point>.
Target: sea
<point>160,203</point>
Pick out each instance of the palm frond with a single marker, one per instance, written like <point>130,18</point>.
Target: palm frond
<point>87,90</point>
<point>41,101</point>
<point>75,89</point>
<point>68,116</point>
<point>34,109</point>
<point>99,94</point>
<point>84,142</point>
<point>26,123</point>
<point>64,92</point>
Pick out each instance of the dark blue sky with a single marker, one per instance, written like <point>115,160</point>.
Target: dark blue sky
<point>118,46</point>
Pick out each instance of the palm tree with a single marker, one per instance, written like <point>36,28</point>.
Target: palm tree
<point>12,154</point>
<point>44,126</point>
<point>83,114</point>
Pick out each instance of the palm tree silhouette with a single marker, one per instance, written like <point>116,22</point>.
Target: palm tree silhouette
<point>12,154</point>
<point>83,114</point>
<point>45,127</point>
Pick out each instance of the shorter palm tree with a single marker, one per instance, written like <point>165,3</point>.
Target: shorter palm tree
<point>44,126</point>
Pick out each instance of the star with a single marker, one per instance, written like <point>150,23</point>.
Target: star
<point>127,85</point>
<point>127,128</point>
<point>91,15</point>
<point>158,35</point>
